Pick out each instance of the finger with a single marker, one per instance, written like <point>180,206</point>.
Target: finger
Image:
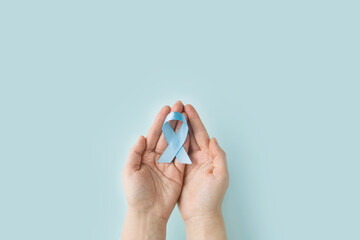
<point>155,130</point>
<point>135,154</point>
<point>194,147</point>
<point>162,144</point>
<point>200,133</point>
<point>218,155</point>
<point>178,165</point>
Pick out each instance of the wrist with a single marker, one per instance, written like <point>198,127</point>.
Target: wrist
<point>147,216</point>
<point>210,226</point>
<point>144,225</point>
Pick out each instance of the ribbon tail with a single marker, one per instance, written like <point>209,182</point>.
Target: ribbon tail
<point>168,155</point>
<point>183,157</point>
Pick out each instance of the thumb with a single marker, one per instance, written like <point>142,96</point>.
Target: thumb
<point>135,155</point>
<point>218,155</point>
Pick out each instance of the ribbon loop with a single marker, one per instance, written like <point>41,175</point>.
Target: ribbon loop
<point>175,140</point>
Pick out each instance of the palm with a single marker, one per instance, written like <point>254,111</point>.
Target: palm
<point>150,186</point>
<point>160,186</point>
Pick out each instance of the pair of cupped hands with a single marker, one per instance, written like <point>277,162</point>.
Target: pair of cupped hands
<point>152,189</point>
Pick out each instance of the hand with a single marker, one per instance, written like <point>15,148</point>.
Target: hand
<point>205,183</point>
<point>151,188</point>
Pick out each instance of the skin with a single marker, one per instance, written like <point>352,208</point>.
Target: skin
<point>152,189</point>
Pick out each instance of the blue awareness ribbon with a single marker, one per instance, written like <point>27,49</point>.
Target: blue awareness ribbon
<point>175,140</point>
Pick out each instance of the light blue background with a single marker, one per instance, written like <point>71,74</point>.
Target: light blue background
<point>277,82</point>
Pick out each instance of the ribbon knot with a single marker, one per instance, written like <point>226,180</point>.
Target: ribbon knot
<point>175,140</point>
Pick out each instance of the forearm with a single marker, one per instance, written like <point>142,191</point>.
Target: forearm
<point>206,227</point>
<point>141,226</point>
